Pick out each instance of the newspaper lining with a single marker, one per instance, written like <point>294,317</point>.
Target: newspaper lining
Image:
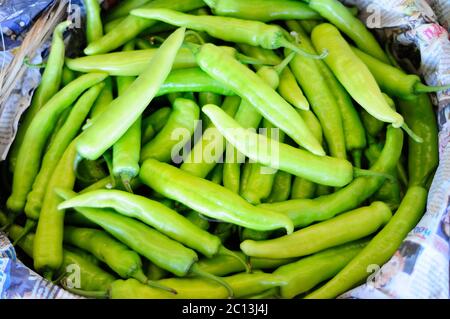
<point>420,267</point>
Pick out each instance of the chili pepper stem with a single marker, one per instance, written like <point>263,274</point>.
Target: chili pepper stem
<point>422,88</point>
<point>289,45</point>
<point>140,276</point>
<point>29,226</point>
<point>358,172</point>
<point>85,293</point>
<point>411,134</point>
<point>108,161</point>
<point>195,270</point>
<point>225,251</point>
<point>126,181</point>
<point>280,67</point>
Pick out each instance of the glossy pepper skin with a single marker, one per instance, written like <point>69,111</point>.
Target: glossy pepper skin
<point>380,248</point>
<point>131,26</point>
<point>208,198</point>
<point>353,74</point>
<point>320,169</point>
<point>262,10</point>
<point>33,144</point>
<point>339,230</point>
<point>423,158</point>
<point>127,108</point>
<point>306,273</point>
<point>303,212</point>
<point>339,15</point>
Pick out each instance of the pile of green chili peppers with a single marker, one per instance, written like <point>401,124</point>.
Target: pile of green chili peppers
<point>197,149</point>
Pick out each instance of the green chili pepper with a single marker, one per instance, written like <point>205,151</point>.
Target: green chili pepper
<point>216,175</point>
<point>153,213</point>
<point>380,248</point>
<point>127,108</point>
<point>302,189</point>
<point>196,219</point>
<point>355,76</point>
<point>157,119</point>
<point>202,159</point>
<point>89,172</point>
<point>155,273</point>
<point>306,273</point>
<point>320,95</point>
<point>208,98</point>
<point>48,242</point>
<point>67,75</point>
<point>131,26</point>
<point>111,25</point>
<point>342,229</point>
<point>91,277</point>
<point>423,157</point>
<point>281,189</point>
<point>83,253</point>
<point>262,10</point>
<point>32,146</point>
<point>175,134</point>
<point>94,26</point>
<point>394,81</point>
<point>159,249</point>
<point>306,211</point>
<point>252,88</point>
<point>309,25</point>
<point>123,8</point>
<point>48,86</point>
<point>222,265</point>
<point>355,29</point>
<point>265,56</point>
<point>103,100</point>
<point>290,90</point>
<point>63,138</point>
<point>123,261</point>
<point>208,198</point>
<point>320,169</point>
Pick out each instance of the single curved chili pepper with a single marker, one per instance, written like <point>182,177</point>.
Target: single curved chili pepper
<point>159,249</point>
<point>355,76</point>
<point>281,189</point>
<point>380,248</point>
<point>319,169</point>
<point>175,134</point>
<point>127,108</point>
<point>122,260</point>
<point>252,88</point>
<point>158,118</point>
<point>394,81</point>
<point>307,272</point>
<point>48,86</point>
<point>340,16</point>
<point>423,157</point>
<point>94,25</point>
<point>262,10</point>
<point>290,90</point>
<point>131,26</point>
<point>61,121</point>
<point>202,159</point>
<point>229,29</point>
<point>48,242</point>
<point>153,213</point>
<point>306,211</point>
<point>208,198</point>
<point>123,8</point>
<point>62,140</point>
<point>67,76</point>
<point>127,150</point>
<point>342,229</point>
<point>32,146</point>
<point>390,191</point>
<point>323,102</point>
<point>91,277</point>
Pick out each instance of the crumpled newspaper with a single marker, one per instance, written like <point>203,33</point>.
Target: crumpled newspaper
<point>420,267</point>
